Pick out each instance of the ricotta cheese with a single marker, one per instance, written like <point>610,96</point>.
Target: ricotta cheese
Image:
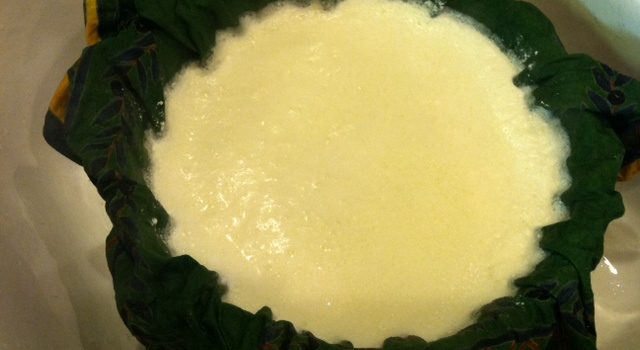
<point>366,171</point>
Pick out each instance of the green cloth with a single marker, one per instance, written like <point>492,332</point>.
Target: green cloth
<point>115,96</point>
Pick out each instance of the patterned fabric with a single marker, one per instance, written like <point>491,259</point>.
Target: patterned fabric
<point>617,101</point>
<point>113,96</point>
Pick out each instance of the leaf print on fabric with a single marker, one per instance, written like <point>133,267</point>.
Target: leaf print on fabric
<point>618,104</point>
<point>600,102</point>
<point>602,79</point>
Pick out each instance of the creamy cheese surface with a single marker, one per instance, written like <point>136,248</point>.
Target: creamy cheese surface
<point>366,171</point>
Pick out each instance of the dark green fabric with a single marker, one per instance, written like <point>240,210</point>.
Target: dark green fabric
<point>175,303</point>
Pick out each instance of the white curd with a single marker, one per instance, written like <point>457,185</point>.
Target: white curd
<point>366,171</point>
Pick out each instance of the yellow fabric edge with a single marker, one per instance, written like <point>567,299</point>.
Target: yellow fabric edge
<point>92,36</point>
<point>60,101</point>
<point>629,171</point>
